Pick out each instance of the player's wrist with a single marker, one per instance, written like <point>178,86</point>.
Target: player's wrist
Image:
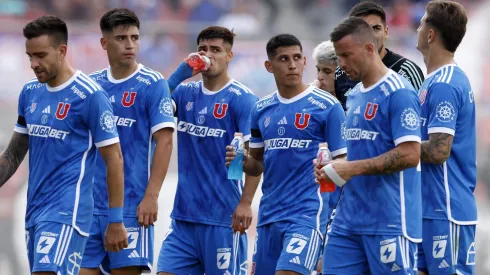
<point>116,215</point>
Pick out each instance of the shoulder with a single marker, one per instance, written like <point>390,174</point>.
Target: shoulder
<point>99,76</point>
<point>149,76</point>
<point>450,77</point>
<point>265,101</point>
<point>33,85</point>
<point>238,90</point>
<point>85,86</point>
<point>322,99</point>
<point>396,82</point>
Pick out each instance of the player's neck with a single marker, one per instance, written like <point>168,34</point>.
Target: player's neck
<point>288,92</point>
<point>216,83</point>
<point>377,71</point>
<point>436,59</point>
<point>383,53</point>
<point>65,73</point>
<point>121,72</point>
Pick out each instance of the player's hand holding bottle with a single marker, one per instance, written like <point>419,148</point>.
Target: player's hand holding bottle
<point>230,155</point>
<point>198,61</point>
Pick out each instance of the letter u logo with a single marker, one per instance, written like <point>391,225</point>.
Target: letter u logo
<point>219,111</point>
<point>127,102</point>
<point>301,121</point>
<point>62,110</point>
<point>371,109</point>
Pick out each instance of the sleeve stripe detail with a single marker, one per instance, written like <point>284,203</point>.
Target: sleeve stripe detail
<point>162,125</point>
<point>84,86</point>
<point>339,152</point>
<point>256,145</point>
<point>21,130</point>
<point>86,81</point>
<point>93,82</point>
<point>407,138</point>
<point>107,142</point>
<point>442,130</point>
<point>246,138</point>
<point>247,90</point>
<point>414,74</point>
<point>150,75</point>
<point>148,71</point>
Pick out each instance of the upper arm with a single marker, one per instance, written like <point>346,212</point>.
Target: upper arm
<point>333,131</point>
<point>165,134</point>
<point>21,125</point>
<point>444,103</point>
<point>18,145</point>
<point>176,97</point>
<point>414,74</point>
<point>257,153</point>
<point>256,140</point>
<point>244,109</point>
<point>100,120</point>
<point>405,117</point>
<point>110,153</point>
<point>160,107</point>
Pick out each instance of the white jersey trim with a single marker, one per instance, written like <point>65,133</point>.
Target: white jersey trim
<point>408,138</point>
<point>64,85</point>
<point>339,152</point>
<point>206,91</point>
<point>403,212</point>
<point>107,142</point>
<point>442,130</point>
<point>162,125</point>
<point>246,138</point>
<point>116,81</point>
<point>448,200</point>
<point>295,98</point>
<point>368,89</point>
<point>21,130</point>
<point>256,145</point>
<point>79,182</point>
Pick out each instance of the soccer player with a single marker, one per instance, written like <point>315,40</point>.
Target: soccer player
<point>209,112</point>
<point>375,16</point>
<point>143,115</point>
<point>63,117</point>
<point>326,62</point>
<point>448,151</point>
<point>378,219</point>
<point>287,127</point>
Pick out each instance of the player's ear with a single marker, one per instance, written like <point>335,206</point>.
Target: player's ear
<point>370,47</point>
<point>62,50</point>
<point>103,43</point>
<point>268,66</point>
<point>431,36</point>
<point>229,56</point>
<point>304,62</point>
<point>386,33</point>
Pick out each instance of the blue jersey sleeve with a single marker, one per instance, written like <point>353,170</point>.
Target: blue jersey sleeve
<point>100,119</point>
<point>405,116</point>
<point>243,109</point>
<point>256,140</point>
<point>444,105</point>
<point>160,107</point>
<point>20,126</point>
<point>334,128</point>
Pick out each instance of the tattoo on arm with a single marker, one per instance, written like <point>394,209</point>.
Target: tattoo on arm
<point>388,163</point>
<point>13,156</point>
<point>437,149</point>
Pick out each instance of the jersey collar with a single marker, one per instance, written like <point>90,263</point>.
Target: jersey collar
<point>208,92</point>
<point>64,85</point>
<point>368,89</point>
<point>116,81</point>
<point>296,97</point>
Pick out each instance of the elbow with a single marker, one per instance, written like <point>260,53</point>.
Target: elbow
<point>413,158</point>
<point>440,159</point>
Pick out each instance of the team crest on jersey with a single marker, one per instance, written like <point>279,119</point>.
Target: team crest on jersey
<point>445,112</point>
<point>33,107</point>
<point>189,105</point>
<point>166,107</point>
<point>219,111</point>
<point>423,96</point>
<point>371,109</point>
<point>62,110</point>
<point>302,120</point>
<point>107,122</point>
<point>128,99</point>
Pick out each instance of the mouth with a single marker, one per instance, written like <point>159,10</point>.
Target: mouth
<point>128,55</point>
<point>292,75</point>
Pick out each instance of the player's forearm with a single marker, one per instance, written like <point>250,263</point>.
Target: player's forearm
<point>115,175</point>
<point>251,184</point>
<point>395,160</point>
<point>160,163</point>
<point>437,149</point>
<point>12,157</point>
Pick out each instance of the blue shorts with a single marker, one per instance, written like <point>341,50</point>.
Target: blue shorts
<point>193,248</point>
<point>54,247</point>
<point>286,246</point>
<point>447,248</point>
<point>368,254</point>
<point>138,253</point>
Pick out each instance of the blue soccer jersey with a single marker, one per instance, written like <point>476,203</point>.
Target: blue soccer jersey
<point>142,106</point>
<point>448,106</point>
<point>65,124</point>
<point>379,118</point>
<point>290,131</point>
<point>207,122</point>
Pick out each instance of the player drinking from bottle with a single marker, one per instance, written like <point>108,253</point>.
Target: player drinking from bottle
<point>209,112</point>
<point>287,127</point>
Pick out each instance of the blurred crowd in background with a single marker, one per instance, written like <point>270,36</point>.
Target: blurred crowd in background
<point>168,34</point>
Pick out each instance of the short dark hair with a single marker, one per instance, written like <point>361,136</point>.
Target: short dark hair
<point>281,40</point>
<point>366,8</point>
<point>118,17</point>
<point>47,25</point>
<point>449,19</point>
<point>216,32</point>
<point>355,26</point>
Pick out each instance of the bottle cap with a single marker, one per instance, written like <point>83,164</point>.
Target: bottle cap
<point>323,144</point>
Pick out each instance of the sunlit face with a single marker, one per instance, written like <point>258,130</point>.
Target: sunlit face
<point>353,57</point>
<point>220,54</point>
<point>380,30</point>
<point>423,35</point>
<point>122,45</point>
<point>326,75</point>
<point>287,65</point>
<point>45,58</point>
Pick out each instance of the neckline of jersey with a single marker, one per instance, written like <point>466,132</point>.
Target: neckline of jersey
<point>65,84</point>
<point>206,91</point>
<point>294,98</point>
<point>117,81</point>
<point>368,89</point>
<point>440,69</point>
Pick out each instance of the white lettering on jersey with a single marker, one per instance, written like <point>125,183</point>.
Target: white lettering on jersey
<point>123,121</point>
<point>78,92</point>
<point>233,90</point>
<point>264,103</point>
<point>423,121</point>
<point>285,143</point>
<point>33,86</point>
<point>46,131</point>
<point>358,134</point>
<point>317,103</point>
<point>199,131</point>
<point>144,80</point>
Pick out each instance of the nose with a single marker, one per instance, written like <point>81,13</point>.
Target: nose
<point>129,44</point>
<point>342,63</point>
<point>320,76</point>
<point>292,64</point>
<point>34,63</point>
